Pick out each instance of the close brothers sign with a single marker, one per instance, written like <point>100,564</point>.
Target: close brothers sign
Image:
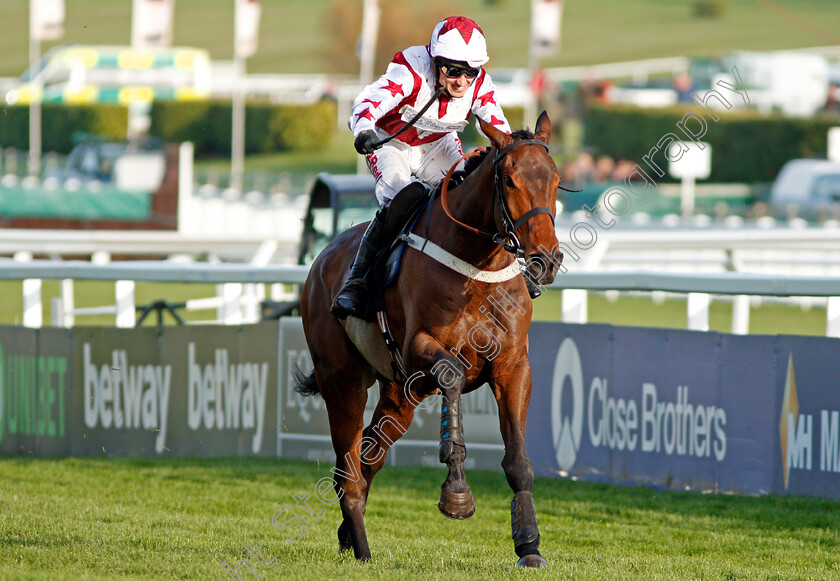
<point>668,408</point>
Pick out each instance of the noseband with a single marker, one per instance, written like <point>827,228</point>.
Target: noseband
<point>508,239</point>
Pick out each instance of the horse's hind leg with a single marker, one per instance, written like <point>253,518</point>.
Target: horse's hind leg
<point>391,418</point>
<point>345,407</point>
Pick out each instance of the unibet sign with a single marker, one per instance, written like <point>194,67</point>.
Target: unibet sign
<point>649,422</point>
<point>32,392</point>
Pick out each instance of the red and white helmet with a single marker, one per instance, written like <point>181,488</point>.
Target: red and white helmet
<point>459,38</point>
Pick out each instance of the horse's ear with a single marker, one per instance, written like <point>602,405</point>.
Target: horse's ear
<point>499,139</point>
<point>543,132</point>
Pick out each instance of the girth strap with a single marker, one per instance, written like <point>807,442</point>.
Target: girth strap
<point>394,352</point>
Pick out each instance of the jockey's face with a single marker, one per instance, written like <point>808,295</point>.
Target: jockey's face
<point>456,87</point>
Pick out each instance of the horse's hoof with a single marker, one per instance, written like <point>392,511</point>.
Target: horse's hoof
<point>456,505</point>
<point>532,561</point>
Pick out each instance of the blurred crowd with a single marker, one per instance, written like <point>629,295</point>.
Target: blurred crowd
<point>586,168</point>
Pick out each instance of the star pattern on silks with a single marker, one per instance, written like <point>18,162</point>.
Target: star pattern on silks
<point>366,114</point>
<point>464,26</point>
<point>495,121</point>
<point>395,88</point>
<point>372,102</point>
<point>487,98</point>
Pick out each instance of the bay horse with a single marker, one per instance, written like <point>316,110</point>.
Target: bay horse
<point>456,327</point>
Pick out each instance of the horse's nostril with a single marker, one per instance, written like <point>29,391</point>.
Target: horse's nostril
<point>546,262</point>
<point>537,258</point>
<point>536,262</point>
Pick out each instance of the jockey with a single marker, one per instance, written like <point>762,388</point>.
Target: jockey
<point>451,63</point>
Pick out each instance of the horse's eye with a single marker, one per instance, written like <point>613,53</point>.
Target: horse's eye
<point>508,181</point>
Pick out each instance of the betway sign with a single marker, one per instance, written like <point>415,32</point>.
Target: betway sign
<point>120,395</point>
<point>222,395</point>
<point>187,391</point>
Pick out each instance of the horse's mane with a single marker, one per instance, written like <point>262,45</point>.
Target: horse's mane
<point>522,134</point>
<point>473,162</point>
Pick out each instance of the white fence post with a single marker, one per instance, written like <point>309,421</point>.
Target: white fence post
<point>32,313</point>
<point>740,315</point>
<point>832,317</point>
<point>575,305</point>
<point>57,312</point>
<point>230,309</point>
<point>698,312</point>
<point>32,310</point>
<point>124,291</point>
<point>68,319</point>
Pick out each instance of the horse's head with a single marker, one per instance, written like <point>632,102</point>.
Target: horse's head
<point>525,205</point>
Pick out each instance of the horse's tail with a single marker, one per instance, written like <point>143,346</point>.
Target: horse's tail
<point>305,385</point>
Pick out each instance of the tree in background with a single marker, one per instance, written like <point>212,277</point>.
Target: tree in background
<point>709,8</point>
<point>401,24</point>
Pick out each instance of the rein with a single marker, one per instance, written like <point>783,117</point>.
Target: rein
<point>409,124</point>
<point>508,240</point>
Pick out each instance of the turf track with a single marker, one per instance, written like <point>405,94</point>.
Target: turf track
<point>181,519</point>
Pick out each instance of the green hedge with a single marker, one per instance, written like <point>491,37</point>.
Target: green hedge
<point>267,127</point>
<point>60,122</point>
<point>206,123</point>
<point>746,146</point>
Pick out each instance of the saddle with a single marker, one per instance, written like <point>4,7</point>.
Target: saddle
<point>404,212</point>
<point>384,271</point>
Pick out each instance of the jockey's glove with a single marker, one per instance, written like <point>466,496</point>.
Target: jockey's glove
<point>364,143</point>
<point>457,177</point>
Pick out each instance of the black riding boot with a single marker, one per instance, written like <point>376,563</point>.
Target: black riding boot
<point>351,299</point>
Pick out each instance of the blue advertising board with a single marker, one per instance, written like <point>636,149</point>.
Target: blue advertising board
<point>686,410</point>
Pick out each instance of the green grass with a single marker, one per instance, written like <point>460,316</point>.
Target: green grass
<point>100,293</point>
<point>180,519</point>
<point>766,319</point>
<point>294,37</point>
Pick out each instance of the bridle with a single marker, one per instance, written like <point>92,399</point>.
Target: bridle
<point>508,239</point>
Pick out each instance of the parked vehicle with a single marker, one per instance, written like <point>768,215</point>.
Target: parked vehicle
<point>127,165</point>
<point>807,188</point>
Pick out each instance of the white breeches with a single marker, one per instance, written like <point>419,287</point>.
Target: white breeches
<point>395,164</point>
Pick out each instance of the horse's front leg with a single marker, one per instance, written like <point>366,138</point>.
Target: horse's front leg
<point>441,371</point>
<point>456,500</point>
<point>512,389</point>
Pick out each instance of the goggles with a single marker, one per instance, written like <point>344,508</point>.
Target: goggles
<point>454,71</point>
